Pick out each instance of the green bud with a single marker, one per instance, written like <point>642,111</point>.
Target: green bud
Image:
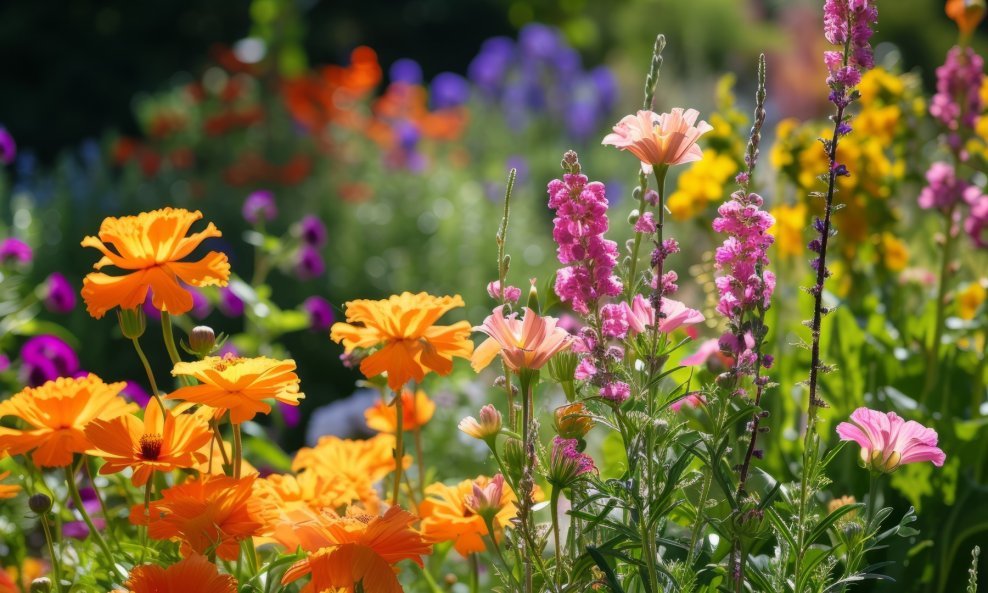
<point>202,340</point>
<point>41,585</point>
<point>634,216</point>
<point>533,298</point>
<point>132,322</point>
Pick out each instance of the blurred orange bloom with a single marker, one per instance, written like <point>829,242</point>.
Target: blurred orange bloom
<point>416,411</point>
<point>214,466</point>
<point>239,384</point>
<point>357,549</point>
<point>151,247</point>
<point>56,414</point>
<point>194,573</point>
<point>448,514</point>
<point>667,139</point>
<point>161,442</point>
<point>332,93</point>
<point>966,13</point>
<point>356,465</point>
<point>402,325</point>
<point>526,343</point>
<point>8,490</point>
<point>209,513</point>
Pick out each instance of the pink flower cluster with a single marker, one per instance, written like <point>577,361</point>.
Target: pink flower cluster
<point>848,22</point>
<point>565,453</point>
<point>943,189</point>
<point>579,227</point>
<point>976,224</point>
<point>743,284</point>
<point>957,103</point>
<point>511,293</point>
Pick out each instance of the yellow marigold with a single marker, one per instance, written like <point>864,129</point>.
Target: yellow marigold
<point>356,464</point>
<point>879,83</point>
<point>790,222</point>
<point>56,414</point>
<point>8,490</point>
<point>701,184</point>
<point>150,247</point>
<point>448,514</point>
<point>970,300</point>
<point>239,385</point>
<point>416,410</point>
<point>781,154</point>
<point>206,514</point>
<point>402,327</point>
<point>895,253</point>
<point>357,550</point>
<point>879,122</point>
<point>194,573</point>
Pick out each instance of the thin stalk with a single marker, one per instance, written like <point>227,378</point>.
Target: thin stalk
<point>527,470</point>
<point>148,487</point>
<point>99,497</point>
<point>150,373</point>
<point>492,543</point>
<point>474,573</point>
<point>93,532</point>
<point>872,498</point>
<point>55,563</point>
<point>399,447</point>
<point>238,450</point>
<point>633,265</point>
<point>169,335</point>
<point>214,425</point>
<point>554,510</point>
<point>419,454</point>
<point>933,361</point>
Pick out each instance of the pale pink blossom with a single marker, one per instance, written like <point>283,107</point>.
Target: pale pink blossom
<point>487,495</point>
<point>526,343</point>
<point>641,315</point>
<point>692,400</point>
<point>887,441</point>
<point>667,139</point>
<point>707,349</point>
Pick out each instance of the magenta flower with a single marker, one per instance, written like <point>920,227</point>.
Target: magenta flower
<point>976,223</point>
<point>511,293</point>
<point>59,294</point>
<point>47,357</point>
<point>310,263</point>
<point>312,231</point>
<point>229,303</point>
<point>320,313</point>
<point>957,103</point>
<point>567,463</point>
<point>8,148</point>
<point>943,189</point>
<point>887,441</point>
<point>14,250</point>
<point>259,206</point>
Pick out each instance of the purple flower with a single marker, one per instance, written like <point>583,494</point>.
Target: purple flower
<point>79,529</point>
<point>201,307</point>
<point>489,68</point>
<point>14,250</point>
<point>743,283</point>
<point>230,304</point>
<point>406,71</point>
<point>943,189</point>
<point>645,223</point>
<point>567,463</point>
<point>47,357</point>
<point>8,148</point>
<point>59,294</point>
<point>976,223</point>
<point>290,414</point>
<point>538,42</point>
<point>848,22</point>
<point>320,313</point>
<point>511,293</point>
<point>309,263</point>
<point>616,391</point>
<point>578,229</point>
<point>957,103</point>
<point>259,206</point>
<point>614,320</point>
<point>4,363</point>
<point>449,90</point>
<point>312,231</point>
<point>135,393</point>
<point>408,134</point>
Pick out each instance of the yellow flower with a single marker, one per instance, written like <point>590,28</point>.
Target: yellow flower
<point>879,83</point>
<point>359,464</point>
<point>895,253</point>
<point>781,154</point>
<point>701,184</point>
<point>880,123</point>
<point>790,221</point>
<point>970,300</point>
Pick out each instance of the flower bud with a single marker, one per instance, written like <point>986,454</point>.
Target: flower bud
<point>533,297</point>
<point>202,340</point>
<point>39,503</point>
<point>567,463</point>
<point>487,496</point>
<point>132,322</point>
<point>41,585</point>
<point>514,456</point>
<point>487,428</point>
<point>843,501</point>
<point>573,421</point>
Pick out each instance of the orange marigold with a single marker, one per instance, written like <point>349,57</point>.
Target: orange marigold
<point>151,247</point>
<point>194,573</point>
<point>448,514</point>
<point>416,411</point>
<point>206,514</point>
<point>239,384</point>
<point>357,549</point>
<point>161,442</point>
<point>290,500</point>
<point>8,490</point>
<point>56,414</point>
<point>410,345</point>
<point>356,464</point>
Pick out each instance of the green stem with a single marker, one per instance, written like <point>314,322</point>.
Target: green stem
<point>169,335</point>
<point>148,487</point>
<point>554,509</point>
<point>150,373</point>
<point>633,267</point>
<point>93,532</point>
<point>489,522</point>
<point>429,579</point>
<point>872,498</point>
<point>933,361</point>
<point>399,447</point>
<point>238,450</point>
<point>55,569</point>
<point>525,379</point>
<point>474,573</point>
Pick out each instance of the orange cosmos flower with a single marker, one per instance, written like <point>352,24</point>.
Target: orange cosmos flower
<point>357,549</point>
<point>56,414</point>
<point>209,513</point>
<point>523,344</point>
<point>450,513</point>
<point>151,247</point>
<point>161,442</point>
<point>356,464</point>
<point>402,326</point>
<point>195,573</point>
<point>239,384</point>
<point>416,411</point>
<point>8,490</point>
<point>667,139</point>
<point>966,13</point>
<point>291,500</point>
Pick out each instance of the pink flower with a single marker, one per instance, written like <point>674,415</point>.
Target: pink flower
<point>706,350</point>
<point>511,293</point>
<point>641,315</point>
<point>526,343</point>
<point>487,495</point>
<point>887,441</point>
<point>667,139</point>
<point>693,400</point>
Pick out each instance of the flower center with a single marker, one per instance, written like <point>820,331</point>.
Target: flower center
<point>150,446</point>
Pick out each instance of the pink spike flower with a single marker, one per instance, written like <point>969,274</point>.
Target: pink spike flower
<point>526,343</point>
<point>667,139</point>
<point>887,441</point>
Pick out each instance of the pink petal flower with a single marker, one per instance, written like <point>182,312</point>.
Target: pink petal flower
<point>887,441</point>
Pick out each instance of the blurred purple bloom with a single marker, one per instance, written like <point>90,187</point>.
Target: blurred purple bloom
<point>78,529</point>
<point>8,148</point>
<point>59,294</point>
<point>406,70</point>
<point>201,307</point>
<point>228,348</point>
<point>407,133</point>
<point>290,414</point>
<point>229,303</point>
<point>12,249</point>
<point>137,394</point>
<point>976,223</point>
<point>47,357</point>
<point>489,68</point>
<point>313,231</point>
<point>943,189</point>
<point>449,90</point>
<point>957,103</point>
<point>310,263</point>
<point>320,313</point>
<point>539,42</point>
<point>260,206</point>
<point>4,362</point>
<point>606,85</point>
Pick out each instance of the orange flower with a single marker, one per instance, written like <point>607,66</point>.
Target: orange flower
<point>416,411</point>
<point>290,500</point>
<point>195,573</point>
<point>160,442</point>
<point>966,13</point>
<point>357,549</point>
<point>212,463</point>
<point>210,513</point>
<point>523,344</point>
<point>8,490</point>
<point>356,465</point>
<point>150,247</point>
<point>403,326</point>
<point>448,514</point>
<point>57,413</point>
<point>667,139</point>
<point>239,384</point>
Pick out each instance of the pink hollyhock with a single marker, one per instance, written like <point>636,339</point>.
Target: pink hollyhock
<point>887,441</point>
<point>667,139</point>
